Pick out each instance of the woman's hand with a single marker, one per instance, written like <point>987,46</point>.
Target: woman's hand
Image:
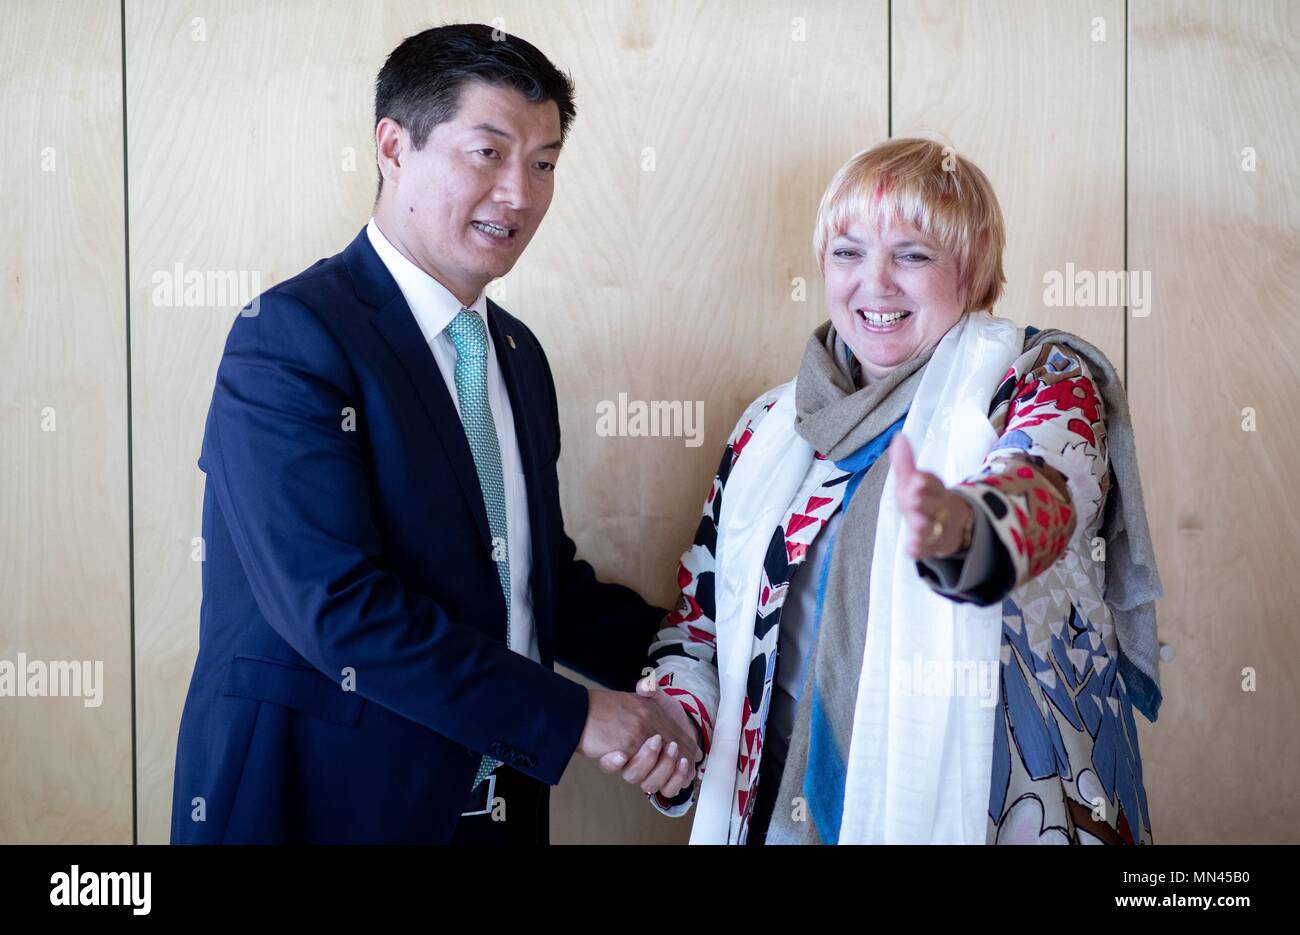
<point>654,769</point>
<point>935,518</point>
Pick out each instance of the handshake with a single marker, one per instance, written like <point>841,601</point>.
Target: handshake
<point>646,736</point>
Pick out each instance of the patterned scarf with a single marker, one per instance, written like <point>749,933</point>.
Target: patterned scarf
<point>852,426</point>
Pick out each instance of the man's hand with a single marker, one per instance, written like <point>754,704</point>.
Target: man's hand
<point>647,736</point>
<point>923,499</point>
<point>654,768</point>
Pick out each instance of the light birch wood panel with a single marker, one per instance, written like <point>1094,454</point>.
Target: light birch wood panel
<point>676,283</point>
<point>65,771</point>
<point>639,282</point>
<point>1209,80</point>
<point>1028,92</point>
<point>249,154</point>
<point>251,151</point>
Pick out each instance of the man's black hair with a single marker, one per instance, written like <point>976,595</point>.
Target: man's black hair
<point>420,83</point>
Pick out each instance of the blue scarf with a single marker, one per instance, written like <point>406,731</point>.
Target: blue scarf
<point>824,777</point>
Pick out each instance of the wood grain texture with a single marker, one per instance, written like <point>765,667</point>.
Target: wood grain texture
<point>1024,90</point>
<point>250,150</point>
<point>676,284</point>
<point>65,771</point>
<point>1208,81</point>
<point>249,153</point>
<point>673,284</point>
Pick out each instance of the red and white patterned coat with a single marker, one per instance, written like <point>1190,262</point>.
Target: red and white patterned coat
<point>1045,481</point>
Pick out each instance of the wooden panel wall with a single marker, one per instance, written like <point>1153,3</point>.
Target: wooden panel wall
<point>1215,85</point>
<point>1035,96</point>
<point>676,284</point>
<point>668,269</point>
<point>249,154</point>
<point>623,283</point>
<point>65,768</point>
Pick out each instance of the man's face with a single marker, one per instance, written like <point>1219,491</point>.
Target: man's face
<point>467,204</point>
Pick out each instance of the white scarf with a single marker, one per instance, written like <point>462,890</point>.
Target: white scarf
<point>764,481</point>
<point>919,767</point>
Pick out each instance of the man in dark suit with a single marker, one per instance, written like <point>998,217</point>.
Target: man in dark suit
<point>387,579</point>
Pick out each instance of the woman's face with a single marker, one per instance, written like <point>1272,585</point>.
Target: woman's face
<point>892,294</point>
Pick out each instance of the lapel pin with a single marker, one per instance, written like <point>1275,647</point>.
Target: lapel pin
<point>511,341</point>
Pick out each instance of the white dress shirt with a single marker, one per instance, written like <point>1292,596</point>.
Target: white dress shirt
<point>434,307</point>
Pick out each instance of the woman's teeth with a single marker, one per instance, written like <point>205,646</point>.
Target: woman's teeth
<point>492,230</point>
<point>872,318</point>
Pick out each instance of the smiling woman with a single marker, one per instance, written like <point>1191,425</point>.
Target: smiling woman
<point>984,559</point>
<point>908,237</point>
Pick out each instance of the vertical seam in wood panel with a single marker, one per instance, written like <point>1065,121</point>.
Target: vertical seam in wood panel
<point>130,467</point>
<point>889,69</point>
<point>1128,278</point>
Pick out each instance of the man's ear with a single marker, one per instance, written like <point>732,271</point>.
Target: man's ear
<point>391,143</point>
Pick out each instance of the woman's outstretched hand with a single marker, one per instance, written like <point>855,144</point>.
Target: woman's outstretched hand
<point>923,500</point>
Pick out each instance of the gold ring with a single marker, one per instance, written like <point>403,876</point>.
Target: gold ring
<point>936,526</point>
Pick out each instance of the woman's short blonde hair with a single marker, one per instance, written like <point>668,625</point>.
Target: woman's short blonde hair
<point>943,195</point>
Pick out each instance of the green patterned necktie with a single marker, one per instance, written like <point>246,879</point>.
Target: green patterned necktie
<point>469,336</point>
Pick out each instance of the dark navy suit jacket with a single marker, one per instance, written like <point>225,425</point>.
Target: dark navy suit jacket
<point>347,546</point>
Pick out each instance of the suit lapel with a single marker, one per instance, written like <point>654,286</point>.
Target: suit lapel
<point>395,322</point>
<point>510,364</point>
